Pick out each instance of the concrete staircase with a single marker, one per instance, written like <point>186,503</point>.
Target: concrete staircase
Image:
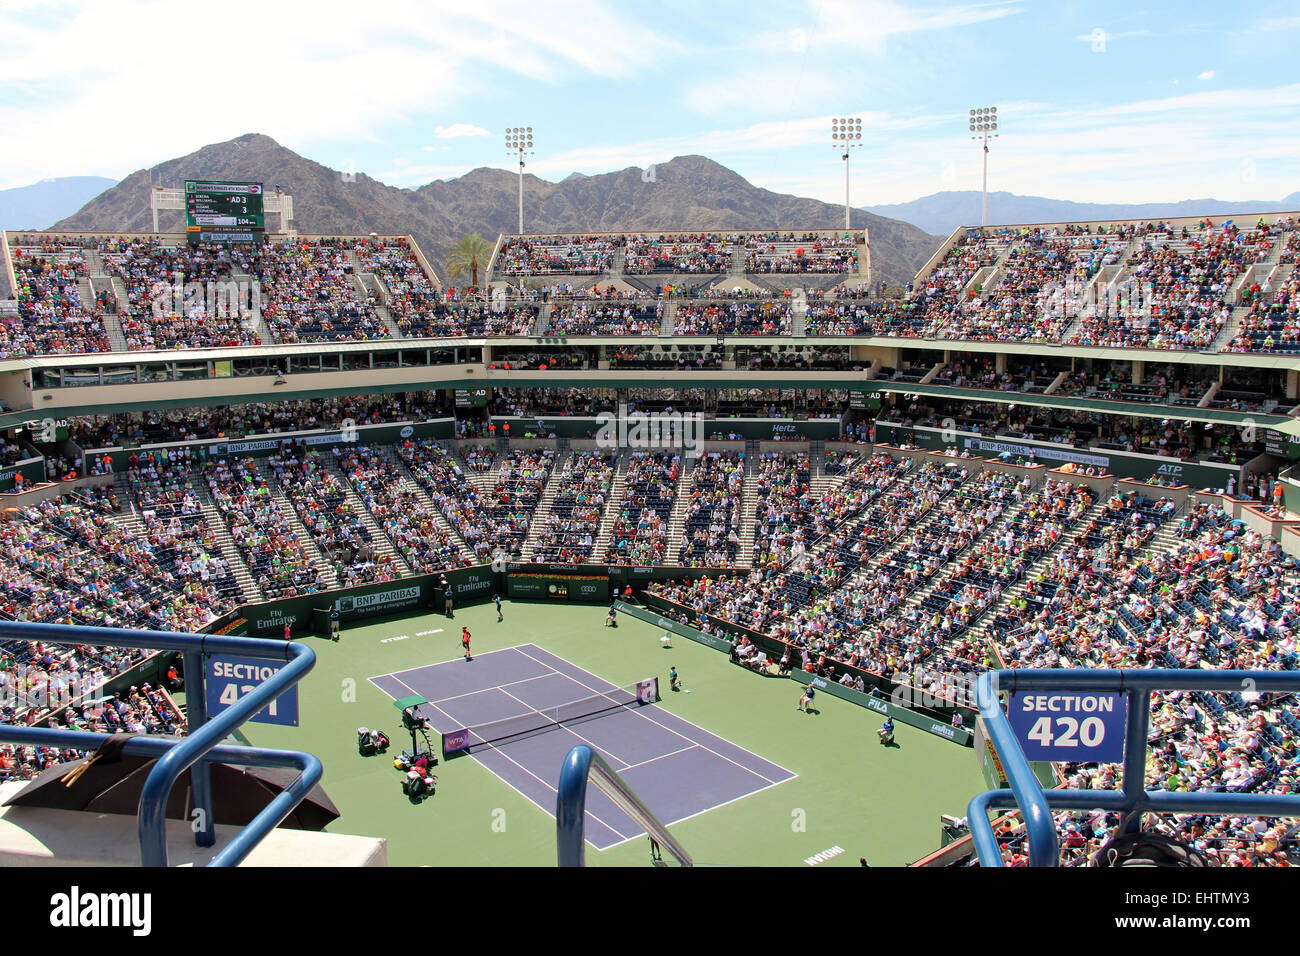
<point>423,497</point>
<point>737,265</point>
<point>1229,330</point>
<point>677,519</point>
<point>383,544</point>
<point>323,561</point>
<point>613,508</point>
<point>253,320</point>
<point>483,481</point>
<point>113,320</point>
<point>543,322</point>
<point>669,320</point>
<point>386,319</point>
<point>748,506</point>
<point>94,262</point>
<point>229,550</point>
<point>554,485</point>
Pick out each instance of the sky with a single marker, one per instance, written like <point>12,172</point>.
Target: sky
<point>1100,101</point>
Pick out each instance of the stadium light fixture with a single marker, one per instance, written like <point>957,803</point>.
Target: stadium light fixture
<point>846,133</point>
<point>983,123</point>
<point>519,139</point>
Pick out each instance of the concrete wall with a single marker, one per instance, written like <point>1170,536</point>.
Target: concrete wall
<point>1257,520</point>
<point>32,836</point>
<point>1101,485</point>
<point>1179,493</point>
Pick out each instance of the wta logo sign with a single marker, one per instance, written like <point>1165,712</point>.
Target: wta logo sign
<point>455,740</point>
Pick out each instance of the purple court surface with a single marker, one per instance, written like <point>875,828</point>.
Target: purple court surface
<point>675,767</point>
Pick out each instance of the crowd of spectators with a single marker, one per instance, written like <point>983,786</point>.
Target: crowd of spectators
<point>765,317</point>
<point>142,709</point>
<point>422,539</point>
<point>491,520</point>
<point>52,318</point>
<point>182,296</point>
<point>606,319</point>
<point>711,524</point>
<point>320,499</point>
<point>639,535</point>
<point>583,485</point>
<point>279,562</point>
<point>156,426</point>
<point>676,253</point>
<point>556,255</point>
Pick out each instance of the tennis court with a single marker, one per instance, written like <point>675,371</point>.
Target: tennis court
<point>679,769</point>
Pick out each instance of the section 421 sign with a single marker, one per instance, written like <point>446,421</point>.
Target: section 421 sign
<point>230,678</point>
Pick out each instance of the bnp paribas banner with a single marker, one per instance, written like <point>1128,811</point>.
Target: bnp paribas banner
<point>259,446</point>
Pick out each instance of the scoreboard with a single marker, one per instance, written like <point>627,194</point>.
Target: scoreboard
<point>224,212</point>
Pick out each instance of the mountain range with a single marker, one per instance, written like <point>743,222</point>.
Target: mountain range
<point>943,212</point>
<point>39,205</point>
<point>689,192</point>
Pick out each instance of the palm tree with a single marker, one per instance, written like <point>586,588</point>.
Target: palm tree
<point>470,253</point>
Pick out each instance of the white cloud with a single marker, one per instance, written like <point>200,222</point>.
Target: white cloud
<point>456,130</point>
<point>64,67</point>
<point>1274,25</point>
<point>1107,36</point>
<point>773,71</point>
<point>1207,75</point>
<point>411,176</point>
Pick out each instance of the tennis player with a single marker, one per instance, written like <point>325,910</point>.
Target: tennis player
<point>674,682</point>
<point>806,700</point>
<point>886,731</point>
<point>464,642</point>
<point>500,616</point>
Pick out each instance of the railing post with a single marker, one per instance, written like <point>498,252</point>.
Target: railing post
<point>1135,751</point>
<point>571,807</point>
<point>196,701</point>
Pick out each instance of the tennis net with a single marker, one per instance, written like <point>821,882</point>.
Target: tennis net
<point>630,695</point>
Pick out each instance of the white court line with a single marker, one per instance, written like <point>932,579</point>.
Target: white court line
<point>474,756</point>
<point>498,776</point>
<point>513,683</point>
<point>572,731</point>
<point>399,680</point>
<point>409,670</point>
<point>633,766</point>
<point>548,786</point>
<point>692,816</point>
<point>638,711</point>
<point>641,711</point>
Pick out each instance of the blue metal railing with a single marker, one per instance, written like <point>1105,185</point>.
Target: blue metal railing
<point>583,764</point>
<point>1132,798</point>
<point>204,743</point>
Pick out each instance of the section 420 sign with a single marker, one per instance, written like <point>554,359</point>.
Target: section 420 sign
<point>1070,726</point>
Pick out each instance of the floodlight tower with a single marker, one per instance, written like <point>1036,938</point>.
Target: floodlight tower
<point>519,139</point>
<point>846,133</point>
<point>984,126</point>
